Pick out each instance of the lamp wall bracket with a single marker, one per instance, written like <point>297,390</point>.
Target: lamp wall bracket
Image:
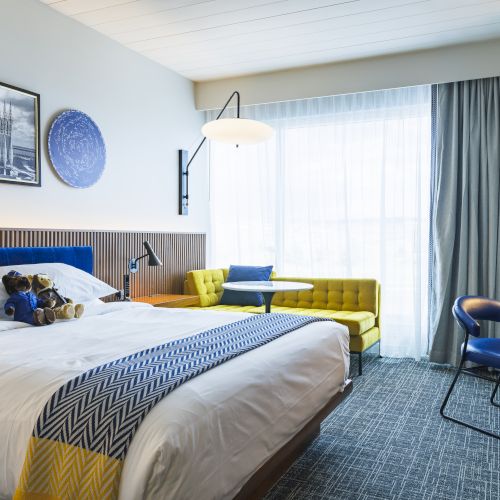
<point>184,163</point>
<point>183,182</point>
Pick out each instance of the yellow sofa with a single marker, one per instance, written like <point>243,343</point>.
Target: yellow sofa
<point>351,302</point>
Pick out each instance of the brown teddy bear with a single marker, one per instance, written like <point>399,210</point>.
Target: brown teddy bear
<point>63,307</point>
<point>23,304</point>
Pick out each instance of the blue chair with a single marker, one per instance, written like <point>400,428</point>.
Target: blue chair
<point>483,351</point>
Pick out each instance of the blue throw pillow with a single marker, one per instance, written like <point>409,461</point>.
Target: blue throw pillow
<point>245,273</point>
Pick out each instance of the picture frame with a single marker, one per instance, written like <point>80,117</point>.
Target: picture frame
<point>20,158</point>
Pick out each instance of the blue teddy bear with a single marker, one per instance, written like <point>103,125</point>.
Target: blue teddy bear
<point>23,304</point>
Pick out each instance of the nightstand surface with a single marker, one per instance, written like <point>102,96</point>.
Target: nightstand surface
<point>168,300</point>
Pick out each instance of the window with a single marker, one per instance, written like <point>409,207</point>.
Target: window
<point>341,191</point>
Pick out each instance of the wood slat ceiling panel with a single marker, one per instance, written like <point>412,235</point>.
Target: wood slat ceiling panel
<point>349,53</point>
<point>195,15</point>
<point>256,21</point>
<point>304,28</point>
<point>206,39</point>
<point>321,39</point>
<point>73,7</point>
<point>136,9</point>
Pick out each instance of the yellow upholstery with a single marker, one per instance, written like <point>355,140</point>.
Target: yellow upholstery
<point>333,294</point>
<point>351,302</point>
<point>207,284</point>
<point>358,322</point>
<point>360,343</point>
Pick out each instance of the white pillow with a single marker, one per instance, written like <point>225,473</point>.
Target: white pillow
<point>70,281</point>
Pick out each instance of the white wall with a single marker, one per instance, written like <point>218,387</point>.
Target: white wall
<point>445,64</point>
<point>145,112</point>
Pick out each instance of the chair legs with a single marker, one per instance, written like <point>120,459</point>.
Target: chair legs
<point>492,399</point>
<point>465,424</point>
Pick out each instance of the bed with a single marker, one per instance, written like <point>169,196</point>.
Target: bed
<point>228,433</point>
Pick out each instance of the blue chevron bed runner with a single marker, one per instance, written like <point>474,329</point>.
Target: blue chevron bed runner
<point>82,436</point>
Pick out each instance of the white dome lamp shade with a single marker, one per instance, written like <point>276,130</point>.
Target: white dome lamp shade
<point>228,130</point>
<point>237,131</point>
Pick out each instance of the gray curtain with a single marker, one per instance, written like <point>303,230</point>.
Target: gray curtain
<point>465,207</point>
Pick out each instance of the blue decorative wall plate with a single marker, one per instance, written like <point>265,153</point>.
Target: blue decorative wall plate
<point>76,149</point>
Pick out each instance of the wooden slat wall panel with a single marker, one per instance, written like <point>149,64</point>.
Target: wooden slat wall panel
<point>179,252</point>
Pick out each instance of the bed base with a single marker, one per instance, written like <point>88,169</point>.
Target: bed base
<point>269,473</point>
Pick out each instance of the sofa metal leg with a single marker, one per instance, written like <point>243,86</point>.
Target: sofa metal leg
<point>360,363</point>
<point>379,355</point>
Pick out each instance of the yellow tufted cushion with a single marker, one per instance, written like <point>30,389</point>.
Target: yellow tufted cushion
<point>358,322</point>
<point>207,283</point>
<point>333,294</point>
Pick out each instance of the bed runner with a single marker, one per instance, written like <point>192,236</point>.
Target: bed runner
<point>82,436</point>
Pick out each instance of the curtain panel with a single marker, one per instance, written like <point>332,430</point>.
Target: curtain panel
<point>465,206</point>
<point>342,190</point>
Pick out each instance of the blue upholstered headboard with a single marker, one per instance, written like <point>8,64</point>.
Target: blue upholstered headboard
<point>80,257</point>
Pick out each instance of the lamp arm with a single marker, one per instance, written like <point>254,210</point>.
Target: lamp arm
<point>235,93</point>
<point>141,257</point>
<point>194,154</point>
<point>132,264</point>
<point>184,162</point>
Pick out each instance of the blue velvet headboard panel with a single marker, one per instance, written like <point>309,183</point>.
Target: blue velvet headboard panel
<point>80,257</point>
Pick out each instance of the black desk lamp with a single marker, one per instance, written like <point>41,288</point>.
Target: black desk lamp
<point>133,267</point>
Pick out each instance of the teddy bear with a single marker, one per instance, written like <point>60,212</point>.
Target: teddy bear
<point>23,304</point>
<point>64,308</point>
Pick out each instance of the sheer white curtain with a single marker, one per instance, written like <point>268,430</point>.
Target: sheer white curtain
<point>342,191</point>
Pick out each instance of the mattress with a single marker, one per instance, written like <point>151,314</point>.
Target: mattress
<point>206,438</point>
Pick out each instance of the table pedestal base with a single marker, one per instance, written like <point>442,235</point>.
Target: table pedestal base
<point>268,298</point>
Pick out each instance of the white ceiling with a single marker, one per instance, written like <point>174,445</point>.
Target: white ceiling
<point>210,39</point>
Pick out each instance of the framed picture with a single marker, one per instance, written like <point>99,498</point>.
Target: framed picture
<point>19,136</point>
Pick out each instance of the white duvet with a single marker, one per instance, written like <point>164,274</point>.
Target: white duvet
<point>206,438</point>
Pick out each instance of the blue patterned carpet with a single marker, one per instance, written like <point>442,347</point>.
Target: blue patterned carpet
<point>388,441</point>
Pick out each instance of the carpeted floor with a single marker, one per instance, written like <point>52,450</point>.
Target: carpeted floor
<point>388,441</point>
